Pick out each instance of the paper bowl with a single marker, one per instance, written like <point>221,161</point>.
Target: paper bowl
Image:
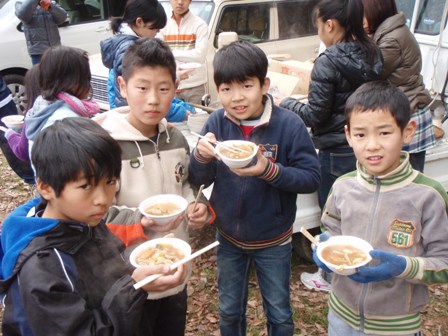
<point>14,122</point>
<point>177,243</point>
<point>162,201</point>
<point>337,247</point>
<point>236,162</point>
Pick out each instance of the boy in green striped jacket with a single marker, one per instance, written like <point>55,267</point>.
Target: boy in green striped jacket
<point>401,212</point>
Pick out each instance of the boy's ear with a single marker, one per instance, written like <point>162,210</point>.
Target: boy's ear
<point>347,135</point>
<point>45,190</point>
<point>266,85</point>
<point>139,22</point>
<point>329,25</point>
<point>122,84</point>
<point>176,83</point>
<point>409,131</point>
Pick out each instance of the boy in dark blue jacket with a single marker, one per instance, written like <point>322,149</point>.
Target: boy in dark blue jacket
<point>256,205</point>
<point>61,267</point>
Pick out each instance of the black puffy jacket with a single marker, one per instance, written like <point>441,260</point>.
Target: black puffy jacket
<point>337,73</point>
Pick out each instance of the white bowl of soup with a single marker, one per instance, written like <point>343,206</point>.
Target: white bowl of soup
<point>236,153</point>
<point>163,208</point>
<point>344,254</point>
<point>160,251</point>
<point>14,121</point>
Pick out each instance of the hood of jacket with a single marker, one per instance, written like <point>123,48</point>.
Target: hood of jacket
<point>115,45</point>
<point>18,229</point>
<point>349,58</point>
<point>37,116</point>
<point>24,233</point>
<point>116,123</point>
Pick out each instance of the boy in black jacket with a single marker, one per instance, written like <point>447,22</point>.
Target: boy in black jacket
<point>61,268</point>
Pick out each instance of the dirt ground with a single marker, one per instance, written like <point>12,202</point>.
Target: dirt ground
<point>310,307</point>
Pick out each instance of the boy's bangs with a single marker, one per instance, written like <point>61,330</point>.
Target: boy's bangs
<point>231,72</point>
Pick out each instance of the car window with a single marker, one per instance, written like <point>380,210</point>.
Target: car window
<point>296,19</point>
<point>249,21</point>
<point>429,15</point>
<point>82,11</point>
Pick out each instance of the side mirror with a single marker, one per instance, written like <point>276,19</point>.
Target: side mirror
<point>226,38</point>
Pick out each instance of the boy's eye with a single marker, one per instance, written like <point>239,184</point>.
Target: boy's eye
<point>112,181</point>
<point>247,85</point>
<point>86,186</point>
<point>358,135</point>
<point>385,133</point>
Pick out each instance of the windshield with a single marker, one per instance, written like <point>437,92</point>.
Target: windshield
<point>203,9</point>
<point>429,15</point>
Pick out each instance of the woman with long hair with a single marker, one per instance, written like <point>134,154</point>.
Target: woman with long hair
<point>402,67</point>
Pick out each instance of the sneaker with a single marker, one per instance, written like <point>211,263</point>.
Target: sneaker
<point>315,281</point>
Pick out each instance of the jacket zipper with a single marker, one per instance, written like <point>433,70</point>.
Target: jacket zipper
<point>362,297</point>
<point>156,147</point>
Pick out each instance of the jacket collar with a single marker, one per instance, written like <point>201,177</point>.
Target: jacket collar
<point>388,25</point>
<point>399,177</point>
<point>265,118</point>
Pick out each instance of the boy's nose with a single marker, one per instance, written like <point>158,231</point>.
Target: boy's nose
<point>237,95</point>
<point>372,143</point>
<point>152,98</point>
<point>100,196</point>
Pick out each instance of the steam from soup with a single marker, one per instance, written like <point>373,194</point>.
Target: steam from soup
<point>343,255</point>
<point>162,209</point>
<point>160,254</point>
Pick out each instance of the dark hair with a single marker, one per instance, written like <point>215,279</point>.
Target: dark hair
<point>349,14</point>
<point>149,10</point>
<point>64,69</point>
<point>71,146</point>
<point>376,11</point>
<point>151,52</point>
<point>379,95</point>
<point>32,88</point>
<point>238,61</point>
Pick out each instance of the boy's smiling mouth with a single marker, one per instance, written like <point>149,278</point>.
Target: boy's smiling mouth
<point>239,108</point>
<point>374,159</point>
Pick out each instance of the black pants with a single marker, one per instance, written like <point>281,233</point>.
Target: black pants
<point>165,317</point>
<point>21,168</point>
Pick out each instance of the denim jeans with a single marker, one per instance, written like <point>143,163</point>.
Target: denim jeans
<point>334,162</point>
<point>338,327</point>
<point>273,270</point>
<point>35,59</point>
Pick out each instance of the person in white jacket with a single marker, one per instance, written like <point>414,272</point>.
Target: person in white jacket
<point>186,34</point>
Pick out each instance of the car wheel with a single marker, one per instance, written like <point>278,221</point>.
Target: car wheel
<point>16,86</point>
<point>302,246</point>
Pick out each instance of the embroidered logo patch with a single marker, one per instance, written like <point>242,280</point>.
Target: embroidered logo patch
<point>269,151</point>
<point>179,172</point>
<point>401,234</point>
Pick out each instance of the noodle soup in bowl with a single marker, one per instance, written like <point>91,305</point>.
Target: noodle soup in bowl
<point>240,153</point>
<point>163,208</point>
<point>344,254</point>
<point>160,251</point>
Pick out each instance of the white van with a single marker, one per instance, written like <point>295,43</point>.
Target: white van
<point>427,19</point>
<point>286,27</point>
<point>276,26</point>
<point>87,24</point>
